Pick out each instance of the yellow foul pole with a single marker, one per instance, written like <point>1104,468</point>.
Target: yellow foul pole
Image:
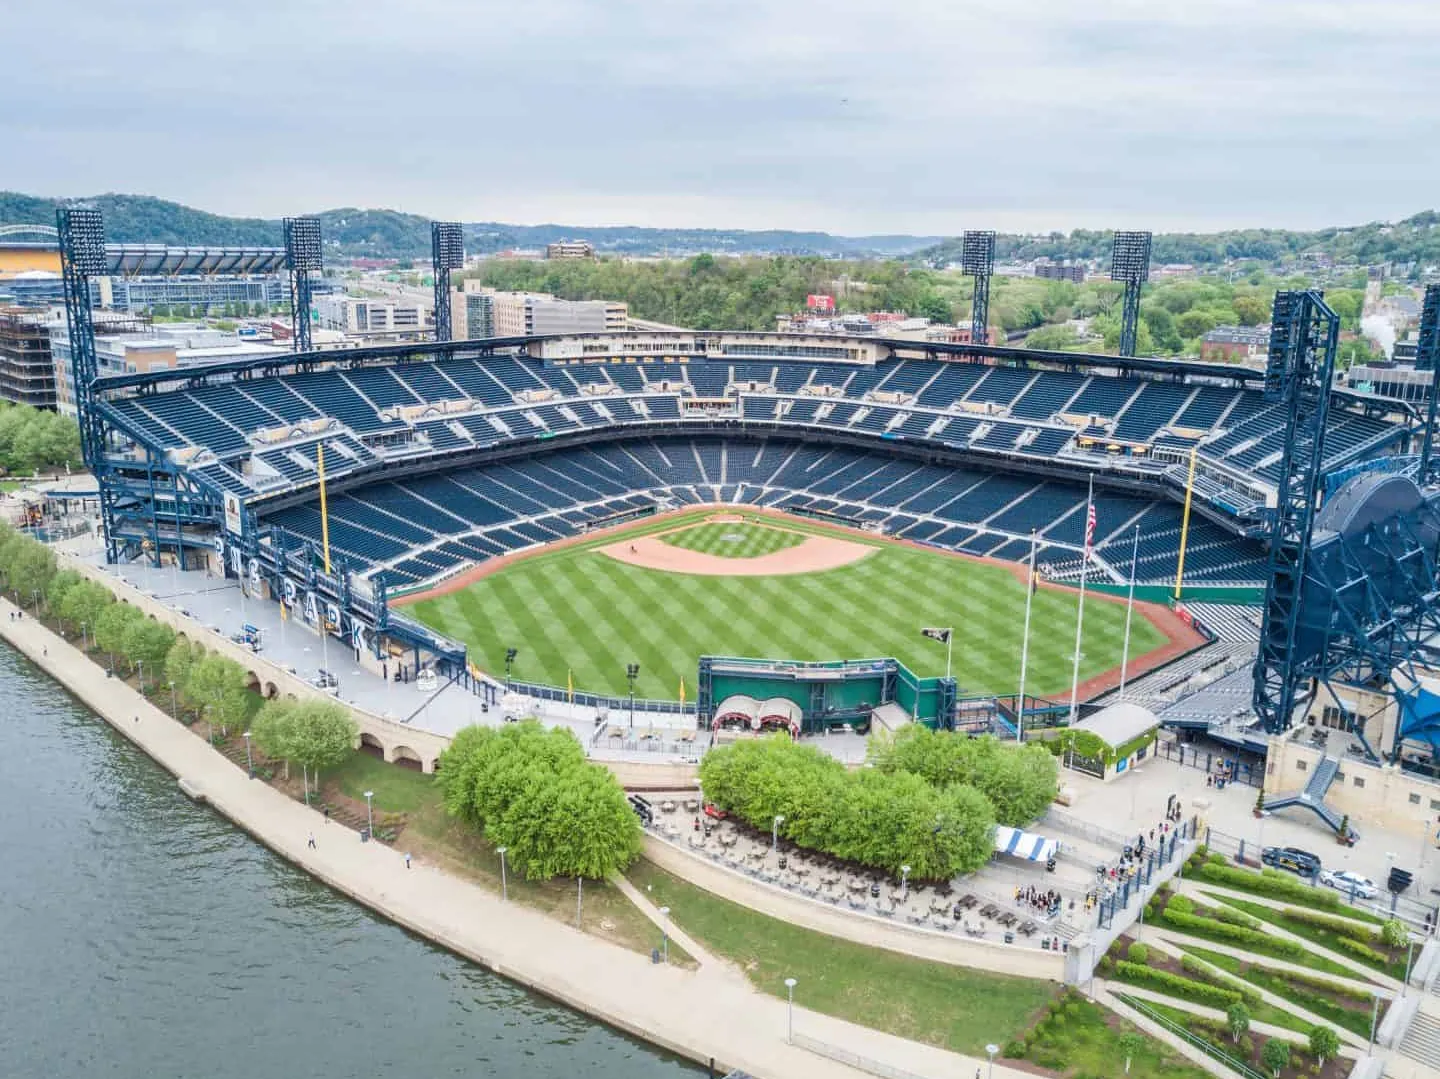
<point>325,509</point>
<point>1184,522</point>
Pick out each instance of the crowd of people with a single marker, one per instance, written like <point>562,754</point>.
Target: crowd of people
<point>1043,901</point>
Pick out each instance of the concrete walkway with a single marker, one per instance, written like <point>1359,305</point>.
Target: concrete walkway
<point>704,1014</point>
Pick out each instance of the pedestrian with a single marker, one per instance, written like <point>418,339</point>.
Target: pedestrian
<point>137,718</point>
<point>44,649</point>
<point>312,840</point>
<point>407,860</point>
<point>327,814</point>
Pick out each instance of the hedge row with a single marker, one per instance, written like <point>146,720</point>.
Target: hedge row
<point>1232,934</point>
<point>1206,973</point>
<point>1268,882</point>
<point>1343,927</point>
<point>1362,951</point>
<point>1185,988</point>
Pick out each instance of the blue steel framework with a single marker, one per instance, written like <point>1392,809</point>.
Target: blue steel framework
<point>977,258</point>
<point>82,253</point>
<point>447,252</point>
<point>1427,358</point>
<point>1303,335</point>
<point>1130,264</point>
<point>302,256</point>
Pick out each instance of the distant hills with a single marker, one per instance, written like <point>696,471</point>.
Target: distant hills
<point>390,234</point>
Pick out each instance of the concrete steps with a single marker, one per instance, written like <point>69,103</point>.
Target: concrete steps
<point>1422,1041</point>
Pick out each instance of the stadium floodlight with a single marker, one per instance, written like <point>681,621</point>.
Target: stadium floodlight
<point>83,239</point>
<point>977,252</point>
<point>302,243</point>
<point>1130,263</point>
<point>1130,257</point>
<point>447,245</point>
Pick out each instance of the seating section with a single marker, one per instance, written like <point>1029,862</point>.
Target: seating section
<point>413,530</point>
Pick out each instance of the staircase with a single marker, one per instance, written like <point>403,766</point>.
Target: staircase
<point>1422,1041</point>
<point>1313,796</point>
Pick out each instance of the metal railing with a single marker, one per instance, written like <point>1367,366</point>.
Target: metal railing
<point>1211,1051</point>
<point>854,1060</point>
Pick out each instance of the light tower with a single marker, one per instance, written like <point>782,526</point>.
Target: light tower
<point>1427,358</point>
<point>82,253</point>
<point>1130,265</point>
<point>302,256</point>
<point>977,258</point>
<point>447,252</point>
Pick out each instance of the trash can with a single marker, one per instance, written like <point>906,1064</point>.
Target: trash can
<point>655,955</point>
<point>364,835</point>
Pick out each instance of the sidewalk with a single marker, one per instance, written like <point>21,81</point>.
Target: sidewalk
<point>705,1014</point>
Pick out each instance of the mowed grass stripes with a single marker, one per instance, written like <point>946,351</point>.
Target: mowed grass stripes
<point>582,611</point>
<point>733,540</point>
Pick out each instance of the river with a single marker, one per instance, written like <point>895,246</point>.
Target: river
<point>144,937</point>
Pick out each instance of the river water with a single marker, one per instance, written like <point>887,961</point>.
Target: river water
<point>143,937</point>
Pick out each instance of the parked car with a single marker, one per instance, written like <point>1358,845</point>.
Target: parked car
<point>1297,861</point>
<point>1350,883</point>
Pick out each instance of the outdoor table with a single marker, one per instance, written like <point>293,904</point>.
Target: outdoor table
<point>667,807</point>
<point>692,805</point>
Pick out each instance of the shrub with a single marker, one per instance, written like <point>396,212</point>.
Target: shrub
<point>1106,964</point>
<point>1205,974</point>
<point>1394,934</point>
<point>1185,988</point>
<point>1362,951</point>
<point>1268,882</point>
<point>1236,917</point>
<point>1343,927</point>
<point>1014,1049</point>
<point>1253,939</point>
<point>1139,953</point>
<point>1180,904</point>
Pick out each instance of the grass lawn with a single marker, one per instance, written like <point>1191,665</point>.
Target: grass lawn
<point>1311,959</point>
<point>1325,938</point>
<point>1081,1040</point>
<point>1260,1011</point>
<point>574,609</point>
<point>733,540</point>
<point>1351,1009</point>
<point>952,1007</point>
<point>1299,894</point>
<point>434,836</point>
<point>1215,1033</point>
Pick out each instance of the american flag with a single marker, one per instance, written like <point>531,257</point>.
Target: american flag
<point>1089,527</point>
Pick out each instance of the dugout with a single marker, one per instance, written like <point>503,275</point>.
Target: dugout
<point>825,694</point>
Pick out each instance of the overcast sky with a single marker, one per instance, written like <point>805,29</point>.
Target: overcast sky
<point>854,116</point>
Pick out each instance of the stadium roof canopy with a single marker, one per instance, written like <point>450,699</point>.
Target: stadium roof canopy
<point>1118,724</point>
<point>126,260</point>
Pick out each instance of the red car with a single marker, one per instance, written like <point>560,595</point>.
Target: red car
<point>712,811</point>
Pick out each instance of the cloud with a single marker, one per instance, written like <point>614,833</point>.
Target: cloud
<point>852,116</point>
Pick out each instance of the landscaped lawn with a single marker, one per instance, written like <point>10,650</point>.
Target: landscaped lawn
<point>576,611</point>
<point>1080,1039</point>
<point>1351,1009</point>
<point>952,1007</point>
<point>1283,888</point>
<point>1250,1046</point>
<point>1325,938</point>
<point>1307,958</point>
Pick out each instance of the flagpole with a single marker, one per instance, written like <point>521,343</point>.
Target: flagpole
<point>1080,612</point>
<point>1025,642</point>
<point>949,646</point>
<point>1129,611</point>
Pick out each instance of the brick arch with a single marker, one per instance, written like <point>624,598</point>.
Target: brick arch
<point>405,757</point>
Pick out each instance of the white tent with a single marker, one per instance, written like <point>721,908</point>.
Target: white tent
<point>1026,845</point>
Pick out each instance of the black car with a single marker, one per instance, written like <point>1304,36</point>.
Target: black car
<point>1294,859</point>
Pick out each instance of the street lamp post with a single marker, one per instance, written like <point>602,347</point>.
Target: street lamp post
<point>140,666</point>
<point>173,709</point>
<point>510,654</point>
<point>775,832</point>
<point>789,1009</point>
<point>632,672</point>
<point>370,814</point>
<point>85,644</point>
<point>249,760</point>
<point>504,884</point>
<point>664,933</point>
<point>990,1051</point>
<point>579,899</point>
<point>1409,954</point>
<point>904,883</point>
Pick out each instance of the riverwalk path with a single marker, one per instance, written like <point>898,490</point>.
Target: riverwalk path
<point>707,1014</point>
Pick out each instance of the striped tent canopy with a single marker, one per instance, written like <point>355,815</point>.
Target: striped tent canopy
<point>1018,844</point>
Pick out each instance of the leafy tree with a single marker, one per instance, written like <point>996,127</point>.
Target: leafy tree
<point>321,735</point>
<point>1275,1056</point>
<point>112,625</point>
<point>217,685</point>
<point>1324,1044</point>
<point>273,730</point>
<point>1052,339</point>
<point>1237,1017</point>
<point>29,566</point>
<point>1130,1044</point>
<point>1251,310</point>
<point>83,604</point>
<point>1195,324</point>
<point>1394,933</point>
<point>147,643</point>
<point>180,661</point>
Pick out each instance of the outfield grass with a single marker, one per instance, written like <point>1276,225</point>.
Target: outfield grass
<point>575,609</point>
<point>953,1007</point>
<point>733,540</point>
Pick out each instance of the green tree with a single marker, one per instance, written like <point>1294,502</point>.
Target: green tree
<point>1394,933</point>
<point>1194,324</point>
<point>217,685</point>
<point>1324,1044</point>
<point>273,731</point>
<point>146,644</point>
<point>574,823</point>
<point>1130,1044</point>
<point>55,591</point>
<point>321,735</point>
<point>83,605</point>
<point>1052,339</point>
<point>179,662</point>
<point>1251,310</point>
<point>112,625</point>
<point>1237,1017</point>
<point>30,569</point>
<point>1275,1056</point>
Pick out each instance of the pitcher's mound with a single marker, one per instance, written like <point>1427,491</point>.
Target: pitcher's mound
<point>814,554</point>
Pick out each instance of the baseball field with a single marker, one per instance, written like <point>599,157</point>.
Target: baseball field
<point>664,593</point>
